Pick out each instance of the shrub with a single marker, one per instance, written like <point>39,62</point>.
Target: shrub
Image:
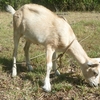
<point>57,5</point>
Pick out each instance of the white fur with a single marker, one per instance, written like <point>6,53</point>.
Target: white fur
<point>14,71</point>
<point>98,59</point>
<point>10,9</point>
<point>47,85</point>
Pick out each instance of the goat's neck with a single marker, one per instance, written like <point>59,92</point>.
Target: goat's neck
<point>78,52</point>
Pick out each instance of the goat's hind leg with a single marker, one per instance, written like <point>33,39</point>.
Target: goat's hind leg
<point>55,64</point>
<point>16,41</point>
<point>26,50</point>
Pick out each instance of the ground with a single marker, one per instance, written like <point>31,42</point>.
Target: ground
<point>70,85</point>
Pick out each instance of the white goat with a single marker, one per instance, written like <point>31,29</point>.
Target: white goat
<point>41,26</point>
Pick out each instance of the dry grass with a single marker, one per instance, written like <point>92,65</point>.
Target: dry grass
<point>70,85</point>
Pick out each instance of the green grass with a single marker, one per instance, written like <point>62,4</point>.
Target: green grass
<point>70,85</point>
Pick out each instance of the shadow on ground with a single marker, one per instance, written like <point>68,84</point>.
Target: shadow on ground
<point>68,77</point>
<point>6,65</point>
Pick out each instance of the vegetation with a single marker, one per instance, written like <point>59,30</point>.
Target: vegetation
<point>57,5</point>
<point>70,85</point>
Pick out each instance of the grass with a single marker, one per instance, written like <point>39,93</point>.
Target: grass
<point>70,85</point>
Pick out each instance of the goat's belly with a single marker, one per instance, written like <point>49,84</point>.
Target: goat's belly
<point>34,39</point>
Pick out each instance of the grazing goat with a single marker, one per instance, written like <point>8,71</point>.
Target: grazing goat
<point>41,26</point>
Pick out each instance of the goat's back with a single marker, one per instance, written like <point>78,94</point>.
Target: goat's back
<point>40,25</point>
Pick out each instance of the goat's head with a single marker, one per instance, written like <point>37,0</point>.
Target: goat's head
<point>91,71</point>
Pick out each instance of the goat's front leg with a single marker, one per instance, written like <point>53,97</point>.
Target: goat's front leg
<point>49,54</point>
<point>54,64</point>
<point>26,50</point>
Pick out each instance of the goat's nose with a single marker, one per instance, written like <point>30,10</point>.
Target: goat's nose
<point>99,84</point>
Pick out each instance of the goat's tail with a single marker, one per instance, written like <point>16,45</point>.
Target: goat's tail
<point>10,9</point>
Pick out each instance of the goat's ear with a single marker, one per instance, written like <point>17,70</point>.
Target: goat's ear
<point>98,59</point>
<point>91,64</point>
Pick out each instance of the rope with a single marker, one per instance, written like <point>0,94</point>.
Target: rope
<point>61,55</point>
<point>30,59</point>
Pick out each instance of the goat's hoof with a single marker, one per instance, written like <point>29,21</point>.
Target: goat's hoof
<point>14,72</point>
<point>46,89</point>
<point>57,73</point>
<point>30,68</point>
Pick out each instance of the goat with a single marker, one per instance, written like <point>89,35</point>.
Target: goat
<point>39,25</point>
